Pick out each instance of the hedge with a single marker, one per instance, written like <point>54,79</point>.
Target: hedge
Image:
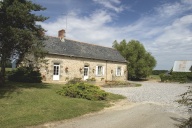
<point>26,75</point>
<point>181,77</point>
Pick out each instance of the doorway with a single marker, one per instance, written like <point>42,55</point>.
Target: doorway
<point>56,71</point>
<point>86,72</point>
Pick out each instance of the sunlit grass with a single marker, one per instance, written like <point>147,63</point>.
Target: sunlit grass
<point>154,77</point>
<point>24,104</point>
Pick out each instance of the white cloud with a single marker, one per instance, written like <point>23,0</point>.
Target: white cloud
<point>177,34</point>
<point>111,4</point>
<point>167,33</point>
<point>91,29</point>
<point>187,1</point>
<point>168,10</point>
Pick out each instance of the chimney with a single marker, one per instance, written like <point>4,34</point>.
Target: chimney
<point>61,35</point>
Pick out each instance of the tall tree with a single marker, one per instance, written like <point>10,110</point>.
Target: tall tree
<point>19,33</point>
<point>140,62</point>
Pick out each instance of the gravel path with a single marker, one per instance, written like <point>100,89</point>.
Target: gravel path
<point>164,94</point>
<point>155,107</point>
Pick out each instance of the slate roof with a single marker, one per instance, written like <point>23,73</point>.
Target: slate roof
<point>83,50</point>
<point>182,66</point>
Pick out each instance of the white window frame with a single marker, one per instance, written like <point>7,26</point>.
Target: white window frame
<point>56,71</point>
<point>85,77</point>
<point>119,73</point>
<point>102,70</point>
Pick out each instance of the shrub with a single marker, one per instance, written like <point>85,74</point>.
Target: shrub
<point>181,77</point>
<point>74,81</point>
<point>165,77</point>
<point>83,90</point>
<point>91,79</point>
<point>189,76</point>
<point>186,99</point>
<point>25,74</point>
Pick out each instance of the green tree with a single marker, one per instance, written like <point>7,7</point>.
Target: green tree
<point>19,33</point>
<point>1,3</point>
<point>140,62</point>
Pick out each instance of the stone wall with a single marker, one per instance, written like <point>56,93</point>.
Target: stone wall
<point>71,67</point>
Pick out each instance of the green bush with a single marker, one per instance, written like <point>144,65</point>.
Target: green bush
<point>91,79</point>
<point>83,90</point>
<point>181,77</point>
<point>74,81</point>
<point>26,75</point>
<point>189,76</point>
<point>165,77</point>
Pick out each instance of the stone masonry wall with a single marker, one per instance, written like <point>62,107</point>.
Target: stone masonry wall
<point>71,67</point>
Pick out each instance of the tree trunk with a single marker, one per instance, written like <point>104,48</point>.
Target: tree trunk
<point>2,73</point>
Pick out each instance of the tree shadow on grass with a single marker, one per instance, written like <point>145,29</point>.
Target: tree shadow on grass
<point>183,122</point>
<point>29,85</point>
<point>14,87</point>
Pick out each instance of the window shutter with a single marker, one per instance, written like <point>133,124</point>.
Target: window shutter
<point>96,73</point>
<point>103,70</point>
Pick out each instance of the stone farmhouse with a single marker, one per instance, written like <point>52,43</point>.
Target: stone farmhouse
<point>68,59</point>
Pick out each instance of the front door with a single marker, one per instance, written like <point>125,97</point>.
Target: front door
<point>86,73</point>
<point>56,71</point>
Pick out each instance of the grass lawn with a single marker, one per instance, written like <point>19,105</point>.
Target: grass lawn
<point>154,77</point>
<point>7,69</point>
<point>24,104</point>
<point>117,85</point>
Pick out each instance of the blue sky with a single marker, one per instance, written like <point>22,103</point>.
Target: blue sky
<point>164,27</point>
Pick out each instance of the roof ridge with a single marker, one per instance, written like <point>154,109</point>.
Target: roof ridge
<point>52,36</point>
<point>85,43</point>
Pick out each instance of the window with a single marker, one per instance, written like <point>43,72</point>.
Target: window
<point>99,70</point>
<point>118,71</point>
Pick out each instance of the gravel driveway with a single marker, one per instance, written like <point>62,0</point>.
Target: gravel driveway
<point>154,107</point>
<point>164,94</point>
